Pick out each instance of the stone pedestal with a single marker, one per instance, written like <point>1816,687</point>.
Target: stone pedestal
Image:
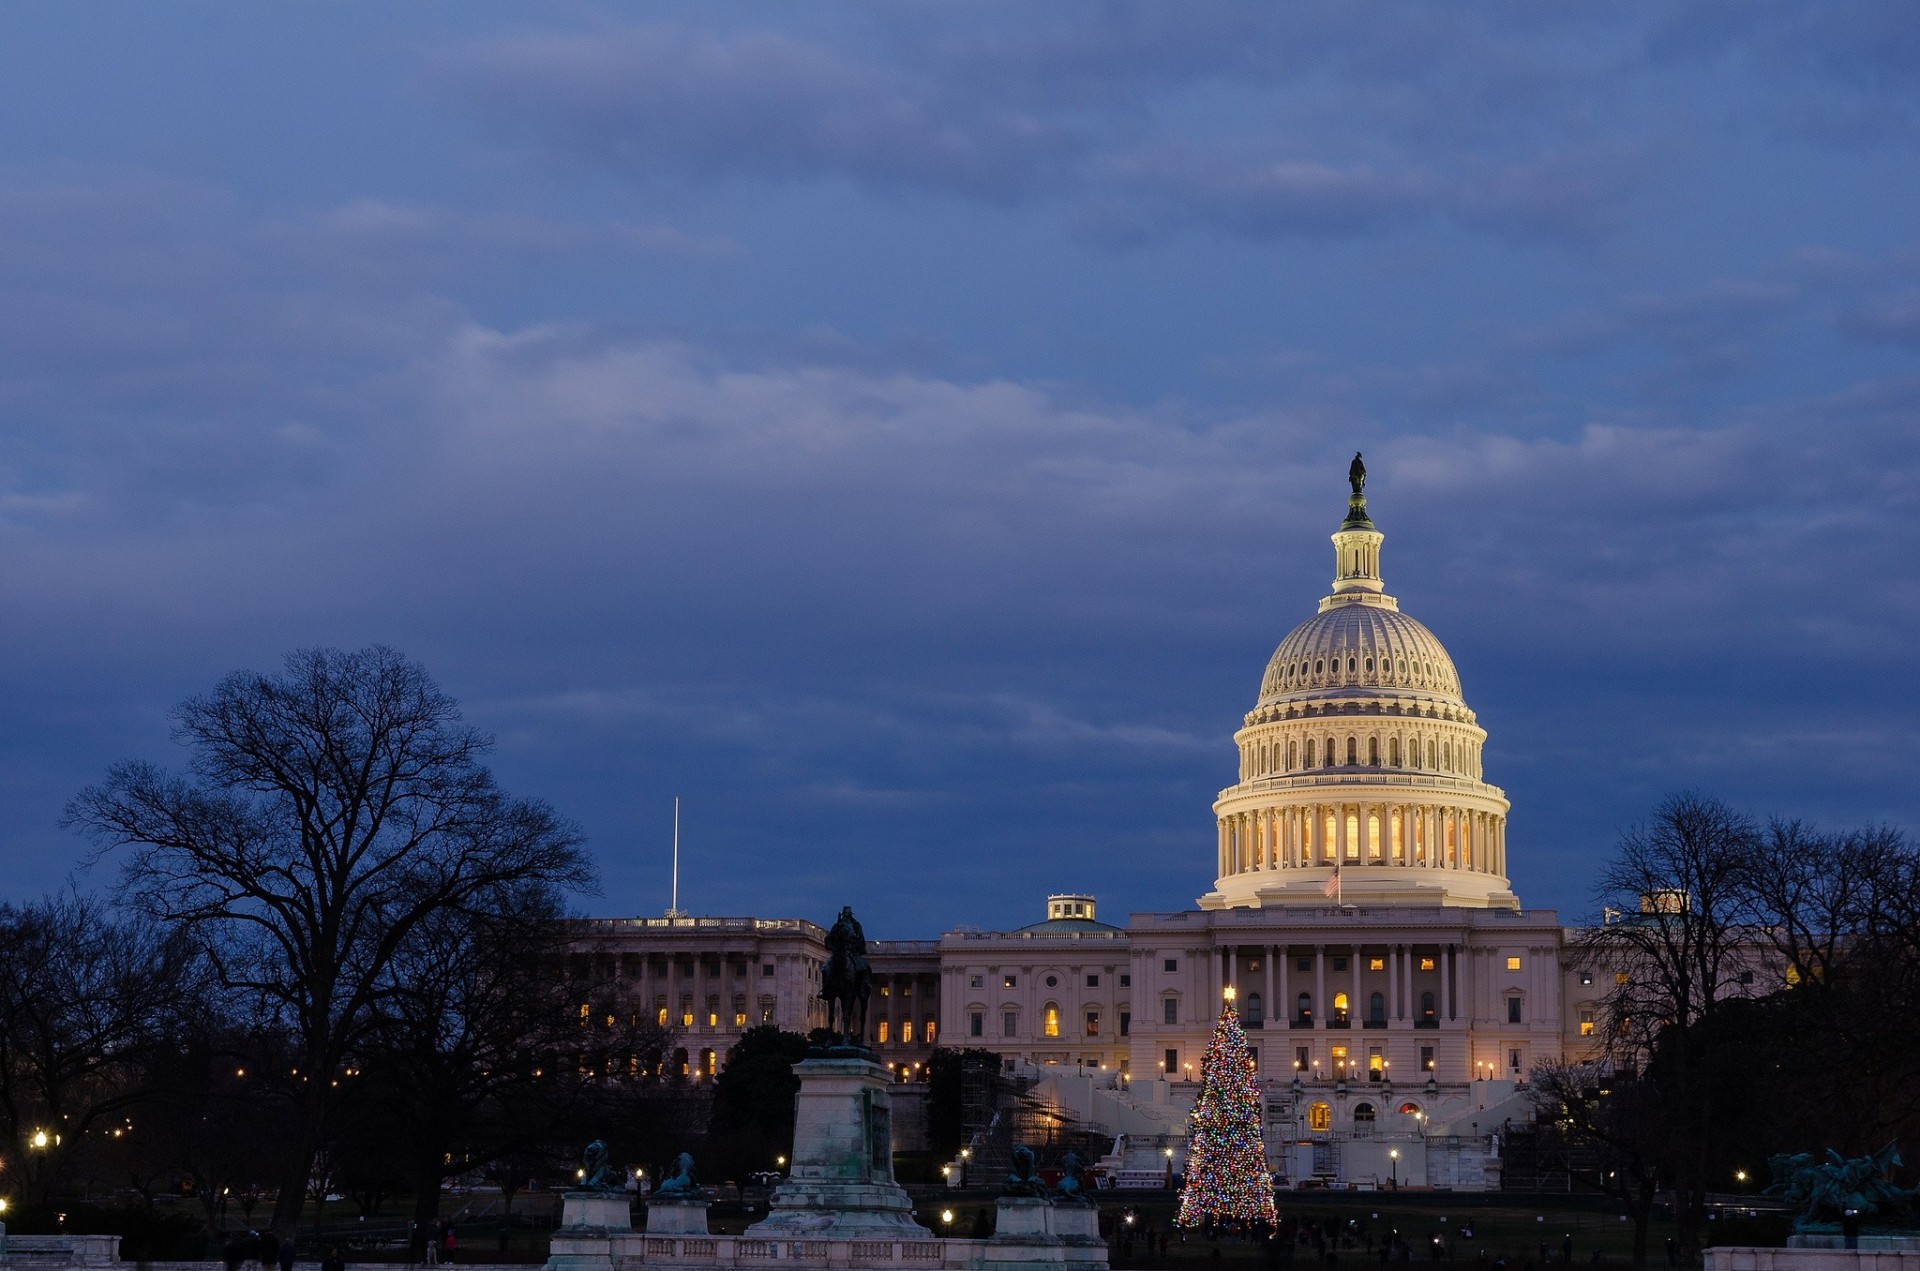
<point>676,1216</point>
<point>596,1229</point>
<point>1031,1234</point>
<point>841,1183</point>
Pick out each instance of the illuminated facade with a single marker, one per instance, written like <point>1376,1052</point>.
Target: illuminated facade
<point>1394,992</point>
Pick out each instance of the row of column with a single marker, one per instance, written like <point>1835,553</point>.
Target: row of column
<point>1429,835</point>
<point>1277,1003</point>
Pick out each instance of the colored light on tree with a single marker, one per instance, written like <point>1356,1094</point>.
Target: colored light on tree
<point>1226,1174</point>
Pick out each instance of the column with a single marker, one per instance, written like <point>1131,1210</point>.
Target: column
<point>1266,956</point>
<point>1213,984</point>
<point>1340,833</point>
<point>1446,982</point>
<point>1285,1011</point>
<point>1319,986</point>
<point>1393,982</point>
<point>1221,827</point>
<point>1356,1008</point>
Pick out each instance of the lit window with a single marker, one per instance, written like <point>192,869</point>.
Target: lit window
<point>585,1009</point>
<point>1586,1023</point>
<point>929,1032</point>
<point>740,1019</point>
<point>906,1031</point>
<point>1513,964</point>
<point>1376,964</point>
<point>1010,981</point>
<point>1320,1117</point>
<point>1586,977</point>
<point>1426,964</point>
<point>881,1033</point>
<point>1093,1023</point>
<point>1620,977</point>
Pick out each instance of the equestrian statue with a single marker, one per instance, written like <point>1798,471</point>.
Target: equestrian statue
<point>847,982</point>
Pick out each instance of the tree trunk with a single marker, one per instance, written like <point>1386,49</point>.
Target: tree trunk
<point>305,1145</point>
<point>426,1199</point>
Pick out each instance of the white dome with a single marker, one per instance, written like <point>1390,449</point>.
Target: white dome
<point>1354,650</point>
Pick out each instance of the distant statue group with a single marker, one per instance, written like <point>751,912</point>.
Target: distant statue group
<point>1023,1179</point>
<point>1838,1190</point>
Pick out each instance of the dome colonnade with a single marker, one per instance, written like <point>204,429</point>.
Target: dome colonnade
<point>1361,755</point>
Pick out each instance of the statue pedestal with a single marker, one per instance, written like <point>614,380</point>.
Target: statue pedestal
<point>676,1216</point>
<point>841,1183</point>
<point>1032,1234</point>
<point>596,1229</point>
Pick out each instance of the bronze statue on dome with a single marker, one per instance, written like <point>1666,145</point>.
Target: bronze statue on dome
<point>1357,475</point>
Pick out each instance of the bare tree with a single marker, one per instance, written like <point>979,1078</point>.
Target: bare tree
<point>1676,930</point>
<point>86,997</point>
<point>1619,1118</point>
<point>329,811</point>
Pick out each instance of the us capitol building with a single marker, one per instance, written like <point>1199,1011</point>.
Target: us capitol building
<point>1394,991</point>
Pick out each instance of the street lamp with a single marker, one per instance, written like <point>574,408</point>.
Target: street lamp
<point>946,1217</point>
<point>1393,1155</point>
<point>40,1139</point>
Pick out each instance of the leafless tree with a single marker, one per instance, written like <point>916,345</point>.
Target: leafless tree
<point>328,812</point>
<point>1676,930</point>
<point>86,996</point>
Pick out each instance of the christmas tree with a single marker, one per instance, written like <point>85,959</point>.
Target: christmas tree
<point>1226,1162</point>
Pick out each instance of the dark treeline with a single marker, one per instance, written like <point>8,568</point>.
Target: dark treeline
<point>1759,993</point>
<point>334,964</point>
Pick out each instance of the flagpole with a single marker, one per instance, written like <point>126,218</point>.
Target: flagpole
<point>673,906</point>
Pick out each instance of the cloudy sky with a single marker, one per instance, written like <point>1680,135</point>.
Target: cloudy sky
<point>905,431</point>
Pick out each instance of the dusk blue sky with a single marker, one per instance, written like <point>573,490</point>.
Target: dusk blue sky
<point>905,431</point>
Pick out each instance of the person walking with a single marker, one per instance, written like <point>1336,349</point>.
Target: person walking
<point>286,1254</point>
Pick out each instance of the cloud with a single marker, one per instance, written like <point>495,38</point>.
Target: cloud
<point>1343,128</point>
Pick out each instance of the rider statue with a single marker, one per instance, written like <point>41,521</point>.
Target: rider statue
<point>848,980</point>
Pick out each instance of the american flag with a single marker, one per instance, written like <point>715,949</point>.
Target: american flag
<point>1333,883</point>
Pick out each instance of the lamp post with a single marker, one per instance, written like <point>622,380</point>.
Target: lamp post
<point>966,1154</point>
<point>1393,1155</point>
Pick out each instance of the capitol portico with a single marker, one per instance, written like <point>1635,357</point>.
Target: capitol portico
<point>1395,992</point>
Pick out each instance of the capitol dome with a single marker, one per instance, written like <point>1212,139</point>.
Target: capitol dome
<point>1360,777</point>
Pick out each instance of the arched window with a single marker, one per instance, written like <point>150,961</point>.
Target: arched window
<point>1426,1006</point>
<point>1320,1117</point>
<point>1409,1109</point>
<point>739,1010</point>
<point>1350,665</point>
<point>1052,1017</point>
<point>706,1063</point>
<point>1393,751</point>
<point>1333,756</point>
<point>1353,750</point>
<point>1373,751</point>
<point>1363,1112</point>
<point>1254,1014</point>
<point>1369,666</point>
<point>881,1032</point>
<point>1377,1009</point>
<point>1340,1009</point>
<point>1309,752</point>
<point>1293,754</point>
<point>1319,666</point>
<point>1303,1010</point>
<point>1446,756</point>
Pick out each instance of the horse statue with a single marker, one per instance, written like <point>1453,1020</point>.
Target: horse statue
<point>847,982</point>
